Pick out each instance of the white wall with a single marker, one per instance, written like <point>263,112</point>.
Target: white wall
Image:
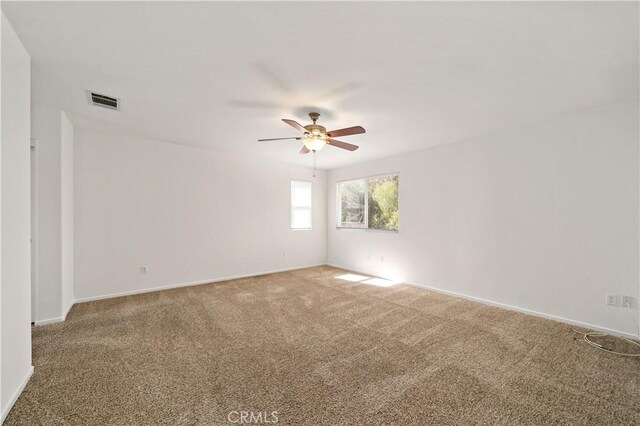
<point>66,213</point>
<point>543,218</point>
<point>15,269</point>
<point>2,20</point>
<point>188,214</point>
<point>54,238</point>
<point>45,128</point>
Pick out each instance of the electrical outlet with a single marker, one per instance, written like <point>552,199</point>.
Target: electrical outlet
<point>381,259</point>
<point>627,301</point>
<point>144,270</point>
<point>613,299</point>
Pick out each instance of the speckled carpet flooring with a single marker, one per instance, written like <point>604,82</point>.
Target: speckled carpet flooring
<point>317,350</point>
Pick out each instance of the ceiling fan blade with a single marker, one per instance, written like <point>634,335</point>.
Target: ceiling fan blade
<point>304,150</point>
<point>356,130</point>
<point>277,139</point>
<point>343,145</point>
<point>295,125</point>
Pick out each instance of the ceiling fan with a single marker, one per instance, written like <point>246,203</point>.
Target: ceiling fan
<point>315,136</point>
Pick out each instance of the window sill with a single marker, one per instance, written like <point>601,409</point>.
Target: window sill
<point>385,231</point>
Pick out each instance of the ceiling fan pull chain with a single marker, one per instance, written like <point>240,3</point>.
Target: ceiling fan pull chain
<point>314,164</point>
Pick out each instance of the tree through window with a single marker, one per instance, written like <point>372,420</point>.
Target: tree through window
<point>369,203</point>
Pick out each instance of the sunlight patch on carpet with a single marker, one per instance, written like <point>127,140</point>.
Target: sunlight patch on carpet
<point>352,277</point>
<point>380,282</point>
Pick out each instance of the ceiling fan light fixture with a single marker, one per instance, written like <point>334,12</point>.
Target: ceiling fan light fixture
<point>314,142</point>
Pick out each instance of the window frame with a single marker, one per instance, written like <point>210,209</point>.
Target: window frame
<point>292,207</point>
<point>366,202</point>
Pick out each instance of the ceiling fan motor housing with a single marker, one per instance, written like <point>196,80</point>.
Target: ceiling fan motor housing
<point>315,129</point>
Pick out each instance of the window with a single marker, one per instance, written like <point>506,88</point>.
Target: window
<point>369,203</point>
<point>300,204</point>
<point>352,204</point>
<point>383,203</point>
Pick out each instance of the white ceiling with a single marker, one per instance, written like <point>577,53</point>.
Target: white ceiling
<point>221,75</point>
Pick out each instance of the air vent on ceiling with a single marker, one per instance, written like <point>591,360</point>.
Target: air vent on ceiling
<point>103,100</point>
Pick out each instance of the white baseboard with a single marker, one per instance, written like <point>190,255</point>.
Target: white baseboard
<point>569,321</point>
<point>192,283</point>
<point>49,321</point>
<point>168,287</point>
<point>16,394</point>
<point>509,307</point>
<point>73,302</point>
<point>56,319</point>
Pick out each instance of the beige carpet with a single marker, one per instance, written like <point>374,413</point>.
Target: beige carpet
<point>318,350</point>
